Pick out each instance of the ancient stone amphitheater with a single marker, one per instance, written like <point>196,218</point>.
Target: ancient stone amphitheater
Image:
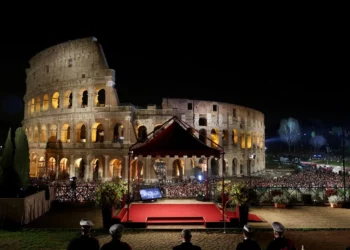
<point>76,125</point>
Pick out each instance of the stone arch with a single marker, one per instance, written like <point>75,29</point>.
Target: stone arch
<point>157,129</point>
<point>65,133</point>
<point>214,137</point>
<point>118,133</point>
<point>241,169</point>
<point>51,168</point>
<point>224,137</point>
<point>141,133</point>
<point>159,167</point>
<point>32,106</point>
<point>80,132</point>
<point>46,102</point>
<point>36,134</point>
<point>234,166</point>
<point>234,136</point>
<point>214,165</point>
<point>115,168</point>
<point>100,98</point>
<point>249,139</point>
<point>33,165</point>
<point>203,135</point>
<point>136,169</point>
<point>64,168</point>
<point>243,140</point>
<point>55,101</point>
<point>97,133</point>
<point>97,169</point>
<point>43,133</point>
<point>178,169</point>
<point>53,133</point>
<point>42,171</point>
<point>79,166</point>
<point>68,99</point>
<point>37,104</point>
<point>30,134</point>
<point>84,98</point>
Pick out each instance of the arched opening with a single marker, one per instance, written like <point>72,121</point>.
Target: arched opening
<point>84,99</point>
<point>65,133</point>
<point>80,132</point>
<point>30,135</point>
<point>118,133</point>
<point>203,136</point>
<point>55,100</point>
<point>157,129</point>
<point>100,100</point>
<point>97,170</point>
<point>142,134</point>
<point>214,137</point>
<point>43,132</point>
<point>115,168</point>
<point>46,102</point>
<point>79,166</point>
<point>214,164</point>
<point>36,134</point>
<point>224,137</point>
<point>136,171</point>
<point>52,168</point>
<point>37,104</point>
<point>33,166</point>
<point>32,106</point>
<point>249,140</point>
<point>68,99</point>
<point>42,171</point>
<point>234,136</point>
<point>64,169</point>
<point>243,141</point>
<point>159,167</point>
<point>98,133</point>
<point>234,166</point>
<point>178,169</point>
<point>53,133</point>
<point>241,169</point>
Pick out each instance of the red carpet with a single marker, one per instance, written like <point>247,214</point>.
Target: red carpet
<point>140,212</point>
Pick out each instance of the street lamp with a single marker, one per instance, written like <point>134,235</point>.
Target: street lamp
<point>251,158</point>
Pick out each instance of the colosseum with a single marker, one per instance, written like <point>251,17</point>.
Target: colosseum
<point>76,126</point>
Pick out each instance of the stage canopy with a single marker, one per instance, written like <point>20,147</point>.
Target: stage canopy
<point>175,137</point>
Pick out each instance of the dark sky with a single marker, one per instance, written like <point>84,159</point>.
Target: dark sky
<point>280,76</point>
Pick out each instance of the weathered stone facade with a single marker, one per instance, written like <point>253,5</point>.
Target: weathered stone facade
<point>77,127</point>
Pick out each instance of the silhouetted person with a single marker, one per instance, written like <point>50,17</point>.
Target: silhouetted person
<point>280,242</point>
<point>85,241</point>
<point>186,244</point>
<point>116,232</point>
<point>248,243</point>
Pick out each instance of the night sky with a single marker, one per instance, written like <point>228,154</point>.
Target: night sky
<point>281,79</point>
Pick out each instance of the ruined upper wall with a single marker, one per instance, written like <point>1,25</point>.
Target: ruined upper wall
<point>76,59</point>
<point>222,112</point>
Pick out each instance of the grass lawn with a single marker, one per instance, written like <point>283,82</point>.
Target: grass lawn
<point>36,239</point>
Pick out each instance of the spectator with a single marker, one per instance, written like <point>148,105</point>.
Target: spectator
<point>248,243</point>
<point>116,232</point>
<point>85,240</point>
<point>186,244</point>
<point>280,242</point>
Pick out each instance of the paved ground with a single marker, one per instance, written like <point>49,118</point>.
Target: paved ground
<point>307,217</point>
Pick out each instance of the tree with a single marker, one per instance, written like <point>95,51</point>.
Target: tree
<point>7,160</point>
<point>317,142</point>
<point>289,131</point>
<point>21,159</point>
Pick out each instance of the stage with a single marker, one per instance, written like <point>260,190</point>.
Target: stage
<point>177,213</point>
